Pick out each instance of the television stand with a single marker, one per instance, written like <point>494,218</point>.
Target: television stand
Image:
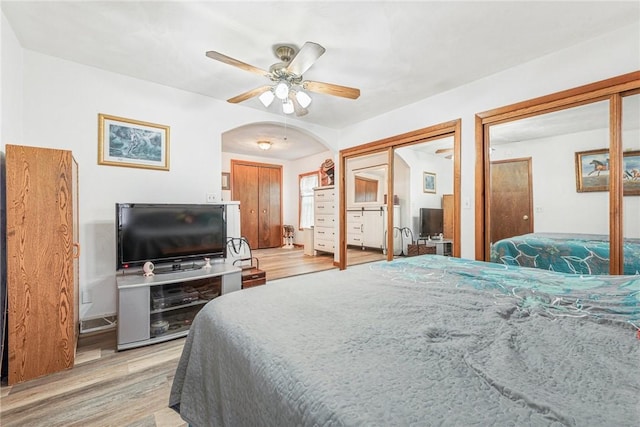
<point>161,307</point>
<point>443,246</point>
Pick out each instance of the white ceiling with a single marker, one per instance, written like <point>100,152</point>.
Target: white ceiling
<point>396,53</point>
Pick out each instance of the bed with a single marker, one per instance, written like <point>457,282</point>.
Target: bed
<point>565,252</point>
<point>426,340</point>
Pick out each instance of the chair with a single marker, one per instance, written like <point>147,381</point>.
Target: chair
<point>239,250</point>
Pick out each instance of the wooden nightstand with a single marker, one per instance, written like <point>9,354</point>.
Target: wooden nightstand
<point>253,277</point>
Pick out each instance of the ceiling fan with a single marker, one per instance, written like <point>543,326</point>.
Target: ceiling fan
<point>286,77</point>
<point>445,151</point>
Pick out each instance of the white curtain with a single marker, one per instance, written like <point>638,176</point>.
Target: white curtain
<point>307,184</point>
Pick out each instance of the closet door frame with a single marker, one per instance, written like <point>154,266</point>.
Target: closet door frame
<point>610,89</point>
<point>388,145</point>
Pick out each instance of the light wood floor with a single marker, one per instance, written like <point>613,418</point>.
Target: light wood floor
<point>128,388</point>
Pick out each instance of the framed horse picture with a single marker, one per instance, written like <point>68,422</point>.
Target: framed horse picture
<point>592,171</point>
<point>631,173</point>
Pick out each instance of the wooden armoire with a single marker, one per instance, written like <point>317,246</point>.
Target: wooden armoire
<point>448,216</point>
<point>258,187</point>
<point>42,261</point>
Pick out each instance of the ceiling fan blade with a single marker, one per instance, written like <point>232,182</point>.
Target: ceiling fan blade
<point>249,94</point>
<point>231,61</point>
<point>331,89</point>
<point>444,150</point>
<point>306,56</point>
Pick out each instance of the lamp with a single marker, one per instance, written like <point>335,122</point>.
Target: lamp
<point>282,90</point>
<point>290,93</point>
<point>287,106</point>
<point>303,99</point>
<point>266,98</point>
<point>264,145</point>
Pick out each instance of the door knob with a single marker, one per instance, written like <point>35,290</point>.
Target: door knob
<point>526,217</point>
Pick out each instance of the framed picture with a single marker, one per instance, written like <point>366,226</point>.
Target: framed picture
<point>428,182</point>
<point>132,143</point>
<point>631,173</point>
<point>226,181</point>
<point>592,171</point>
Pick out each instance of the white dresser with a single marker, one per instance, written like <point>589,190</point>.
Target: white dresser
<point>324,220</point>
<point>366,227</point>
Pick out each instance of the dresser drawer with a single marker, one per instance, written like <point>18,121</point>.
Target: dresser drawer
<point>326,233</point>
<point>354,228</point>
<point>324,245</point>
<point>324,207</point>
<point>354,239</point>
<point>320,196</point>
<point>324,220</point>
<point>354,216</point>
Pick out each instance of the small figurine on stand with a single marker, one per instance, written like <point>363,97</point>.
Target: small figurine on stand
<point>288,236</point>
<point>207,263</point>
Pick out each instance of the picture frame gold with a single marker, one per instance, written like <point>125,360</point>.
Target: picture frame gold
<point>226,181</point>
<point>592,170</point>
<point>132,143</point>
<point>428,182</point>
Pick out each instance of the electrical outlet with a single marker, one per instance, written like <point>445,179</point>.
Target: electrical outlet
<point>211,197</point>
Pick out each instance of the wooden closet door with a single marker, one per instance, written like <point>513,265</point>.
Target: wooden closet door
<point>270,225</point>
<point>258,188</point>
<point>245,190</point>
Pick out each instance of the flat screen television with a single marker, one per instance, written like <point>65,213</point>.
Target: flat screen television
<point>431,221</point>
<point>169,234</point>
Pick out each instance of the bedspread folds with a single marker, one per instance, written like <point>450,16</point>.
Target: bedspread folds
<point>426,340</point>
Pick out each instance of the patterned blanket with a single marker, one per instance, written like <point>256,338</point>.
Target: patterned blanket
<point>427,340</point>
<point>568,253</point>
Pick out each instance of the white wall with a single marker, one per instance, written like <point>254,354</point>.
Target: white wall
<point>55,103</point>
<point>11,89</point>
<point>610,55</point>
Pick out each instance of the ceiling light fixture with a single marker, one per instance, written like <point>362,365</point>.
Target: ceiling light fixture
<point>266,98</point>
<point>292,97</point>
<point>287,106</point>
<point>264,145</point>
<point>303,99</point>
<point>282,90</point>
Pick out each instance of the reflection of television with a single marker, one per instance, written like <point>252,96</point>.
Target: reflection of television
<point>431,221</point>
<point>168,233</point>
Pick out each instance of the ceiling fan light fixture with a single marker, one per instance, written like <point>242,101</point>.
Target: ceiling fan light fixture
<point>264,145</point>
<point>266,98</point>
<point>287,106</point>
<point>282,90</point>
<point>303,99</point>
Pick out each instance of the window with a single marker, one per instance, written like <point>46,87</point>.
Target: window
<point>306,182</point>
